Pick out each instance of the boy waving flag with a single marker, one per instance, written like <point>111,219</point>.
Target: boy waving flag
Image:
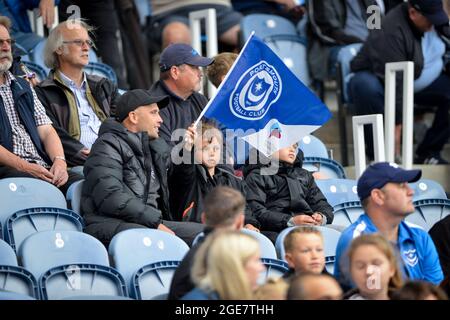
<point>262,99</point>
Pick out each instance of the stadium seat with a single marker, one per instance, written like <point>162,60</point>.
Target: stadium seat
<point>152,281</point>
<point>427,189</point>
<point>428,212</point>
<point>7,295</point>
<point>82,280</point>
<point>150,246</point>
<point>338,190</point>
<point>73,196</point>
<point>267,248</point>
<point>313,147</point>
<point>23,193</point>
<point>328,167</point>
<point>101,69</point>
<point>282,37</point>
<point>266,25</point>
<point>144,10</point>
<point>40,72</point>
<point>274,269</point>
<point>345,56</point>
<point>26,222</point>
<point>15,279</point>
<point>330,236</point>
<point>346,213</point>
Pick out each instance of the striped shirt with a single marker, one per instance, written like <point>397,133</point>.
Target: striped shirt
<point>89,122</point>
<point>23,146</point>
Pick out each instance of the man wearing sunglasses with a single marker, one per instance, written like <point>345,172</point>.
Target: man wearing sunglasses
<point>76,102</point>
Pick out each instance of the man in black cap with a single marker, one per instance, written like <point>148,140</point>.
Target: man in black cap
<point>387,200</point>
<point>180,80</point>
<point>414,31</point>
<point>126,173</point>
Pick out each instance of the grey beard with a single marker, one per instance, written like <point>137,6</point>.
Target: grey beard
<point>5,66</point>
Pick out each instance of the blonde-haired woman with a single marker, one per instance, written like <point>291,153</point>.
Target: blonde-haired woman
<point>226,267</point>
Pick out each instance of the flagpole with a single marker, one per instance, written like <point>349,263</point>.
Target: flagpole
<point>224,80</point>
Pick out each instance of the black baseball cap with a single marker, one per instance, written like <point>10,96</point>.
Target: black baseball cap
<point>180,53</point>
<point>133,99</point>
<point>433,10</point>
<point>378,174</point>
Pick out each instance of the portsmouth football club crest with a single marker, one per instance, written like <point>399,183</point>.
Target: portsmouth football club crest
<point>410,257</point>
<point>256,90</point>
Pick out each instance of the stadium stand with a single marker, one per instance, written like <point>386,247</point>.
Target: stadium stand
<point>428,212</point>
<point>338,190</point>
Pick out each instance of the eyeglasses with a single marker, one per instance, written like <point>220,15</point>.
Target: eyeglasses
<point>80,42</point>
<point>10,42</point>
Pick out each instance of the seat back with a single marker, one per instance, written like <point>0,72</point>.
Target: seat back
<point>330,237</point>
<point>427,189</point>
<point>345,56</point>
<point>328,167</point>
<point>429,211</point>
<point>7,255</point>
<point>265,25</point>
<point>266,246</point>
<point>23,193</point>
<point>274,269</point>
<point>102,70</point>
<point>19,281</point>
<point>313,147</point>
<point>60,248</point>
<point>149,246</point>
<point>152,282</point>
<point>292,50</point>
<point>346,213</point>
<point>26,222</point>
<point>78,280</point>
<point>338,190</point>
<point>73,196</point>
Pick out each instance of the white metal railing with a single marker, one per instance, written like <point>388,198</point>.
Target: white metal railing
<point>211,34</point>
<point>408,111</point>
<point>376,120</point>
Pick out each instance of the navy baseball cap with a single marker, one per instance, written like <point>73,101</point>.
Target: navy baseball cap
<point>378,174</point>
<point>133,99</point>
<point>433,10</point>
<point>180,53</point>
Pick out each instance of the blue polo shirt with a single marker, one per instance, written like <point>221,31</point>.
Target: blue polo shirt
<point>415,249</point>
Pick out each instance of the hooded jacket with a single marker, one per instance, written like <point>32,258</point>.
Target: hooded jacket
<point>117,174</point>
<point>276,198</point>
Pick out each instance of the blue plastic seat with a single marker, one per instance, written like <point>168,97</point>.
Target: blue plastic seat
<point>345,56</point>
<point>26,222</point>
<point>330,236</point>
<point>346,213</point>
<point>73,196</point>
<point>15,279</point>
<point>427,189</point>
<point>7,295</point>
<point>23,193</point>
<point>328,167</point>
<point>101,69</point>
<point>152,282</point>
<point>428,212</point>
<point>274,269</point>
<point>338,190</point>
<point>266,246</point>
<point>81,280</point>
<point>60,248</point>
<point>149,246</point>
<point>266,25</point>
<point>41,73</point>
<point>313,147</point>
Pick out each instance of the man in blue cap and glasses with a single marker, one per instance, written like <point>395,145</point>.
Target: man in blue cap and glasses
<point>387,200</point>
